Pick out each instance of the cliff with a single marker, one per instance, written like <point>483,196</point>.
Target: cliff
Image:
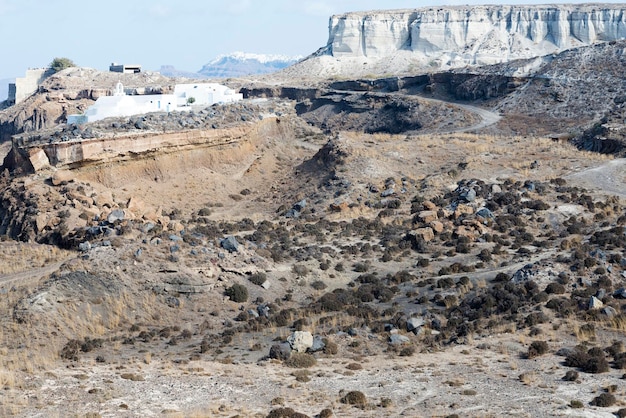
<point>474,35</point>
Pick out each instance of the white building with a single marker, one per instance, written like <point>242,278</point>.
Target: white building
<point>205,94</point>
<point>120,105</point>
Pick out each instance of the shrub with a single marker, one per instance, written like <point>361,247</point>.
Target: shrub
<point>574,403</point>
<point>571,376</point>
<point>354,397</point>
<point>537,348</point>
<point>258,278</point>
<point>301,361</point>
<point>318,285</point>
<point>70,350</point>
<point>285,413</point>
<point>237,293</point>
<point>604,400</point>
<point>59,64</point>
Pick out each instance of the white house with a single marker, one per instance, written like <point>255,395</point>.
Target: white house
<point>120,105</point>
<point>205,94</point>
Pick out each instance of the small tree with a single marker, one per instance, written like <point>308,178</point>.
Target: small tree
<point>59,64</point>
<point>191,100</point>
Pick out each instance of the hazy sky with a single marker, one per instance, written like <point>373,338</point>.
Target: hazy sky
<point>186,34</point>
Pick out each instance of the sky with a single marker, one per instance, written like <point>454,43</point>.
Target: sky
<point>186,34</point>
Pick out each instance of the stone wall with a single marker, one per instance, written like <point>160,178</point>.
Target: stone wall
<point>26,86</point>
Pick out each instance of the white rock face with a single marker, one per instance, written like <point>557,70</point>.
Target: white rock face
<point>475,35</point>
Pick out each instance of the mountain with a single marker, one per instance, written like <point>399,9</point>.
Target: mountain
<point>171,71</point>
<point>240,64</point>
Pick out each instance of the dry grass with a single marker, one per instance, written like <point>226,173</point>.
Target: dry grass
<point>17,257</point>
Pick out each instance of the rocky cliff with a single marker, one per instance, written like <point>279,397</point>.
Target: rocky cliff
<point>474,35</point>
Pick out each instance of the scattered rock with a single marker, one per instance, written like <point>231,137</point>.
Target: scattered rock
<point>300,341</point>
<point>595,303</point>
<point>230,244</point>
<point>397,339</point>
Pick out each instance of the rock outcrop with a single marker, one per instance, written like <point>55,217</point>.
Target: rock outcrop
<point>474,35</point>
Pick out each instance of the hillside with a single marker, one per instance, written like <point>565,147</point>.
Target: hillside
<point>414,243</point>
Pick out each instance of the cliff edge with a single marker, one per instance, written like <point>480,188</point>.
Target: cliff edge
<point>451,37</point>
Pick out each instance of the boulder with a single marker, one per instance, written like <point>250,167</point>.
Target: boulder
<point>469,195</point>
<point>414,323</point>
<point>397,339</point>
<point>426,234</point>
<point>38,159</point>
<point>609,311</point>
<point>300,341</point>
<point>595,303</point>
<point>436,226</point>
<point>318,344</point>
<point>61,177</point>
<point>115,216</point>
<point>428,205</point>
<point>620,293</point>
<point>230,244</point>
<point>428,216</point>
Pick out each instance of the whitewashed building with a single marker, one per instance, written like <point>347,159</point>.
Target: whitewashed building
<point>120,104</point>
<point>204,94</point>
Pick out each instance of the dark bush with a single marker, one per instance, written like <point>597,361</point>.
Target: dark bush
<point>604,400</point>
<point>354,397</point>
<point>301,361</point>
<point>258,278</point>
<point>285,413</point>
<point>571,376</point>
<point>537,348</point>
<point>237,293</point>
<point>70,350</point>
<point>555,288</point>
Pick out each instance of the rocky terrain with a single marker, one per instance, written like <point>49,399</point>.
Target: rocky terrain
<point>449,243</point>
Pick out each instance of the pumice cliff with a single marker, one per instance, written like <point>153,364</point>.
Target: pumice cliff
<point>447,37</point>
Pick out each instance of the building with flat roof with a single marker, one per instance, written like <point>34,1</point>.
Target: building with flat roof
<point>124,68</point>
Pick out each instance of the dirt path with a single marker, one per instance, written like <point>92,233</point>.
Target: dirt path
<point>29,276</point>
<point>609,177</point>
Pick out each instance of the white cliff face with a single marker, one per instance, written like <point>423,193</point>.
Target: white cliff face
<point>475,35</point>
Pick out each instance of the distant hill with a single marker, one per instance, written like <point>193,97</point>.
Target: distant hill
<point>240,64</point>
<point>170,71</point>
<point>237,64</point>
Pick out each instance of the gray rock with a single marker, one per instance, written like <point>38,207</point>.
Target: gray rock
<point>230,244</point>
<point>253,313</point>
<point>601,293</point>
<point>609,311</point>
<point>485,213</point>
<point>300,341</point>
<point>387,192</point>
<point>115,215</point>
<point>469,195</point>
<point>292,213</point>
<point>280,351</point>
<point>620,293</point>
<point>595,303</point>
<point>300,205</point>
<point>318,344</point>
<point>175,238</point>
<point>263,310</point>
<point>495,188</point>
<point>266,284</point>
<point>172,302</point>
<point>414,323</point>
<point>84,246</point>
<point>397,339</point>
